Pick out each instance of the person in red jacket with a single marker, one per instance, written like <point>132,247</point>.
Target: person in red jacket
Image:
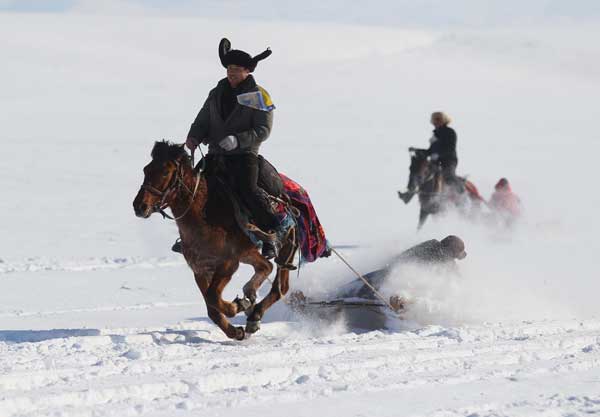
<point>505,202</point>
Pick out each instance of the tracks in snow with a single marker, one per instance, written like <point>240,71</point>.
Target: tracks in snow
<point>38,264</point>
<point>192,367</point>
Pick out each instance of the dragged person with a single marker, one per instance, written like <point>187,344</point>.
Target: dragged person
<point>442,254</point>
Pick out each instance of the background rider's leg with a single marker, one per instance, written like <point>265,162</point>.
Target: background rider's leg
<point>449,174</point>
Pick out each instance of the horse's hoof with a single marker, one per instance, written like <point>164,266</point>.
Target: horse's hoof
<point>243,304</point>
<point>252,326</point>
<point>251,295</point>
<point>240,334</point>
<point>250,310</point>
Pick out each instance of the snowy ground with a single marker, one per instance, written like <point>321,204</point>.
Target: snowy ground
<point>98,318</point>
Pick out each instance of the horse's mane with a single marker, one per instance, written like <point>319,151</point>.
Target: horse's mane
<point>167,151</point>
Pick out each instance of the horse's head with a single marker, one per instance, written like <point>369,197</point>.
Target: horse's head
<point>163,177</point>
<point>419,163</point>
<point>419,166</point>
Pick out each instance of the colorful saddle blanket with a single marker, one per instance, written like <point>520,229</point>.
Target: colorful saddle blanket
<point>311,236</point>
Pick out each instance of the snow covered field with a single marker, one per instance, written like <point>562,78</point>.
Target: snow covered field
<point>99,318</point>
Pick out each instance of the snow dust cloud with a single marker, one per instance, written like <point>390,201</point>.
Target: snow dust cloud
<point>534,271</point>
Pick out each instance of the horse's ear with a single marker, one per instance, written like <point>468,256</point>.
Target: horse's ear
<point>159,148</point>
<point>182,152</point>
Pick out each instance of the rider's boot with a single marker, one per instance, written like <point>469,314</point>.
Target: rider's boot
<point>411,189</point>
<point>407,195</point>
<point>177,247</point>
<point>271,248</point>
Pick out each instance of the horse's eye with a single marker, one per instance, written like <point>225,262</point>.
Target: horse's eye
<point>165,175</point>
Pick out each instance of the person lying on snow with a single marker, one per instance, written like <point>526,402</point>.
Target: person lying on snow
<point>433,252</point>
<point>234,121</point>
<point>442,150</point>
<point>504,203</point>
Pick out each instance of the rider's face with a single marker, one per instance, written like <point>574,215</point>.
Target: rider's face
<point>236,74</point>
<point>436,121</point>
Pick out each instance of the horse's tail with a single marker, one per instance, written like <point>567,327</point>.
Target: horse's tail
<point>473,191</point>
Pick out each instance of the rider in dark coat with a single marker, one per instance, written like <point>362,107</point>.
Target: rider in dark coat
<point>235,119</point>
<point>442,150</point>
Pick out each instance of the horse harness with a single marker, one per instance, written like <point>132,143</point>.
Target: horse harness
<point>175,184</point>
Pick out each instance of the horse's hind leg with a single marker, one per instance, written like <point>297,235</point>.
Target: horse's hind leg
<point>279,288</point>
<point>262,269</point>
<point>422,218</point>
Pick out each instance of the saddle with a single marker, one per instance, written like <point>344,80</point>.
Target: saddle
<point>223,185</point>
<point>290,202</point>
<point>224,196</point>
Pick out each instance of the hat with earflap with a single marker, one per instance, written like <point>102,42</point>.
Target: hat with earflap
<point>454,246</point>
<point>230,56</point>
<point>502,184</point>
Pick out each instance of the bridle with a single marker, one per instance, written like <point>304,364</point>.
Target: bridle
<point>174,186</point>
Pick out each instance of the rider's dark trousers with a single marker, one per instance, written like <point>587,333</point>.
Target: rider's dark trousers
<point>449,173</point>
<point>244,170</point>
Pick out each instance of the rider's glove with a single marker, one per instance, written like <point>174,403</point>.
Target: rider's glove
<point>191,143</point>
<point>229,143</point>
<point>434,157</point>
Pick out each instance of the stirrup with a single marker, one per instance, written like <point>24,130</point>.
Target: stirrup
<point>289,267</point>
<point>261,234</point>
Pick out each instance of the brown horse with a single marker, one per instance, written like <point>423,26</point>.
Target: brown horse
<point>213,243</point>
<point>435,195</point>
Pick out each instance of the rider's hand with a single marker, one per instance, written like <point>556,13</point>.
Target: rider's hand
<point>229,143</point>
<point>191,143</point>
<point>434,157</point>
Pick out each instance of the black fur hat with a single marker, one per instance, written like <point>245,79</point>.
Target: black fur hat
<point>230,56</point>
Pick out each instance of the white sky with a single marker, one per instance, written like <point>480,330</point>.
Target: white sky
<point>404,12</point>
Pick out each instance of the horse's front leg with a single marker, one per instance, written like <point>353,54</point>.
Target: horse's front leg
<point>220,279</point>
<point>204,281</point>
<point>423,214</point>
<point>279,288</point>
<point>220,320</point>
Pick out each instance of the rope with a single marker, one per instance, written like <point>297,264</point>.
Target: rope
<point>165,215</point>
<point>363,279</point>
<point>203,167</point>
